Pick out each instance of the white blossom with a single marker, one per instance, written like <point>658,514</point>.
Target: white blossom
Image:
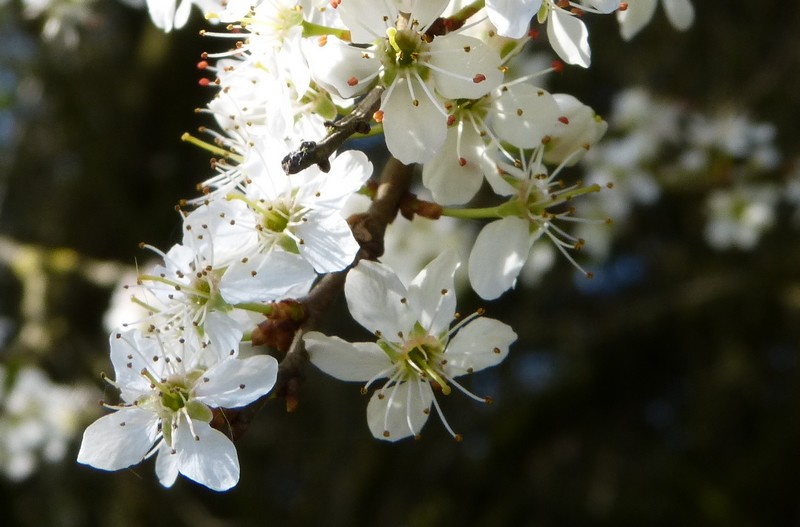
<point>738,217</point>
<point>534,210</point>
<point>416,349</point>
<point>167,395</point>
<point>38,419</point>
<point>298,216</point>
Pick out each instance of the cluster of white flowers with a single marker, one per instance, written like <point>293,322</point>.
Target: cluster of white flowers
<point>38,419</point>
<point>565,30</point>
<point>437,73</point>
<point>727,154</point>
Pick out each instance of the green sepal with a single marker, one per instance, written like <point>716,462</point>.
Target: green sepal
<point>199,411</point>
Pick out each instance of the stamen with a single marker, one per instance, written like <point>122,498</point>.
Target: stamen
<point>457,437</point>
<point>467,392</point>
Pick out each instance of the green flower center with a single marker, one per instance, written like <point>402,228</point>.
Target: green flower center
<point>174,396</point>
<point>418,356</point>
<point>402,50</point>
<point>276,219</point>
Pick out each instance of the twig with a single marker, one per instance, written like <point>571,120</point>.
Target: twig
<point>356,122</point>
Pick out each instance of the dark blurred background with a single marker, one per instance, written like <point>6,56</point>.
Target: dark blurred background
<point>669,396</point>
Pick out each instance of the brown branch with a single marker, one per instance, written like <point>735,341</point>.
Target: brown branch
<point>356,122</point>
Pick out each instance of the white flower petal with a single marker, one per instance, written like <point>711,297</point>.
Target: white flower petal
<point>182,14</point>
<point>498,255</point>
<point>224,333</point>
<point>210,459</point>
<point>582,128</point>
<point>367,19</point>
<point>432,292</point>
<point>359,361</point>
<point>167,466</point>
<point>377,299</point>
<point>425,12</point>
<point>497,181</point>
<point>328,243</point>
<point>235,382</point>
<point>413,132</point>
<point>602,6</point>
<point>213,229</point>
<point>524,115</point>
<point>455,173</point>
<point>131,353</point>
<point>119,440</point>
<point>162,13</point>
<point>401,412</point>
<point>512,17</point>
<point>350,170</point>
<point>480,344</point>
<point>342,69</point>
<point>680,13</point>
<point>266,277</point>
<point>472,68</point>
<point>635,17</point>
<point>569,37</point>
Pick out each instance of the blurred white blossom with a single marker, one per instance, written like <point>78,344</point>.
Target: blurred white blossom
<point>38,419</point>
